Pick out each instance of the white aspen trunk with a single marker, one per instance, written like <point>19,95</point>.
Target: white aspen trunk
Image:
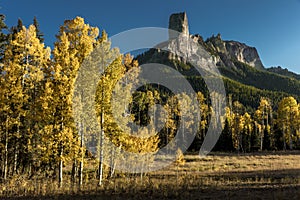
<point>101,149</point>
<point>262,131</point>
<point>237,133</point>
<point>261,139</point>
<point>16,150</point>
<point>60,166</point>
<point>112,163</point>
<point>284,135</point>
<point>271,128</point>
<point>6,152</point>
<point>291,130</point>
<point>82,154</point>
<point>183,129</point>
<point>81,172</point>
<point>60,170</point>
<point>15,160</point>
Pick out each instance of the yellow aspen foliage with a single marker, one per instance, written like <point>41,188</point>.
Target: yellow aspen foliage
<point>24,63</point>
<point>75,41</point>
<point>288,113</point>
<point>179,158</point>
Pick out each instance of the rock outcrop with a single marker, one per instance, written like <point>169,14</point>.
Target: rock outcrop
<point>179,23</point>
<point>244,54</point>
<point>224,54</point>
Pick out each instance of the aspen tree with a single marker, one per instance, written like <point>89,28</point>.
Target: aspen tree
<point>263,115</point>
<point>75,42</point>
<point>26,58</point>
<point>287,118</point>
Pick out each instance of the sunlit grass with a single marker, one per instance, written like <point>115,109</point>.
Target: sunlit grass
<point>230,175</point>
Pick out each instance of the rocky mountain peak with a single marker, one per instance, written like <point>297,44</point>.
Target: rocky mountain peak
<point>229,51</point>
<point>178,22</point>
<point>224,54</point>
<point>244,54</point>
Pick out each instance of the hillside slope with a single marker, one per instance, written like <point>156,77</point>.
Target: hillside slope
<point>245,77</point>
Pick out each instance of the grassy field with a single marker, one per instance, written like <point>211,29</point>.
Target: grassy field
<point>262,175</point>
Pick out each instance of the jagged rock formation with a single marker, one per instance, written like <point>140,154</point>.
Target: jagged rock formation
<point>178,22</point>
<point>183,47</point>
<point>226,52</point>
<point>244,54</point>
<point>223,53</point>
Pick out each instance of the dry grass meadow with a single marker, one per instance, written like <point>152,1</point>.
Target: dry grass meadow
<point>262,175</point>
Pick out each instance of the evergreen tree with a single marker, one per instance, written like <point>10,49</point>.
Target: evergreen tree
<point>3,37</point>
<point>225,141</point>
<point>39,34</point>
<point>15,29</point>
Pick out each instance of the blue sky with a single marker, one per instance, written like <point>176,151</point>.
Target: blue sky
<point>272,26</point>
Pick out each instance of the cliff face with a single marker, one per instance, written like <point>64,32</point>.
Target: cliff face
<point>226,52</point>
<point>244,54</point>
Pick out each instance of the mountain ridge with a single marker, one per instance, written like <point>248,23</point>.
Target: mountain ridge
<point>235,60</point>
